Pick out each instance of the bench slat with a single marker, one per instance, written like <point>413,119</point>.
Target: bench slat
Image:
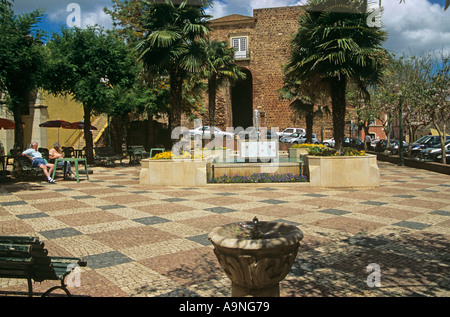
<point>26,258</point>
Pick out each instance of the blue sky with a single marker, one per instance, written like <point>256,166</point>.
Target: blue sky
<point>418,25</point>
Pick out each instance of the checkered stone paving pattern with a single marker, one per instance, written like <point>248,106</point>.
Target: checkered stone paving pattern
<point>152,241</point>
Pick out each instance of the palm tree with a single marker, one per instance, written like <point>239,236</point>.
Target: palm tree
<point>334,46</point>
<point>307,101</point>
<point>172,44</point>
<point>221,68</point>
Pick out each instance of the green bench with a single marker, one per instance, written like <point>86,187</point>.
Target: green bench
<point>26,258</point>
<point>135,151</point>
<point>106,155</point>
<point>24,169</point>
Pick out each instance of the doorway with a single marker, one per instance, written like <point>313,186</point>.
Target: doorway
<point>242,101</point>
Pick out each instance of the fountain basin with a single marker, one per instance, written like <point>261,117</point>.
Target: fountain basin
<point>256,266</point>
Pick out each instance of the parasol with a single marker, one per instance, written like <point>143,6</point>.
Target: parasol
<point>55,124</point>
<point>7,124</point>
<point>78,126</point>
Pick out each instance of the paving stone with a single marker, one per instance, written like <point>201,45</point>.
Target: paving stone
<point>151,241</point>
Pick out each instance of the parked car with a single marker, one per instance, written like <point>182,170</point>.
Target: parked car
<point>289,131</point>
<point>447,157</point>
<point>425,142</point>
<point>434,153</point>
<point>271,135</point>
<point>329,142</point>
<point>302,139</point>
<point>205,132</point>
<point>288,138</point>
<point>374,143</point>
<point>380,146</point>
<point>394,146</point>
<point>354,143</point>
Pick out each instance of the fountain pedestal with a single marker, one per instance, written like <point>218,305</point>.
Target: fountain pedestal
<point>256,266</point>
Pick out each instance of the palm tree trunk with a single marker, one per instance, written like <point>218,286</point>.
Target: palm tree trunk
<point>309,116</point>
<point>212,83</point>
<point>338,104</point>
<point>176,98</point>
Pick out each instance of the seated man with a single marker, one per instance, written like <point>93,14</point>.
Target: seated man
<point>38,161</point>
<point>55,153</point>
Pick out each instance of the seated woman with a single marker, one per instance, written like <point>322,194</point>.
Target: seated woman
<point>55,153</point>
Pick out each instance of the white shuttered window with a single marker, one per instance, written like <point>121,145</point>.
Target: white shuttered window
<point>240,44</point>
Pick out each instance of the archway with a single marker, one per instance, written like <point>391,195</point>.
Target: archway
<point>242,101</point>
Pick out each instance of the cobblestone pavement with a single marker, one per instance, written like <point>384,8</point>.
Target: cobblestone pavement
<point>152,241</point>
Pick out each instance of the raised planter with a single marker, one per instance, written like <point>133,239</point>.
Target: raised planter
<point>343,171</point>
<point>173,172</point>
<point>256,266</point>
<point>297,153</point>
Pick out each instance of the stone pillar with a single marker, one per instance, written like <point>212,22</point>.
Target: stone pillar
<point>38,115</point>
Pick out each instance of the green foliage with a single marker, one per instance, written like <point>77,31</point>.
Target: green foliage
<point>326,151</point>
<point>22,61</point>
<point>334,46</point>
<point>172,45</point>
<point>21,54</point>
<point>89,64</point>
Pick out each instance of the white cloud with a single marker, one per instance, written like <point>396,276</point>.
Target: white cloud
<point>416,26</point>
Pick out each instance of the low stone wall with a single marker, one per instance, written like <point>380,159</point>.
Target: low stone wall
<point>173,172</point>
<point>337,172</point>
<point>247,169</point>
<point>430,166</point>
<point>343,171</point>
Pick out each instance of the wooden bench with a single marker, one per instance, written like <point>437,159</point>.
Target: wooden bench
<point>26,258</point>
<point>135,151</point>
<point>106,155</point>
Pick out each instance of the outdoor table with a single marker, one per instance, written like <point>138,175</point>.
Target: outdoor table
<point>74,160</point>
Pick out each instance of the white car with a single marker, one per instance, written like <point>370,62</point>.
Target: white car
<point>329,142</point>
<point>289,131</point>
<point>205,133</point>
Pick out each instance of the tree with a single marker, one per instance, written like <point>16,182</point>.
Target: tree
<point>436,91</point>
<point>172,43</point>
<point>221,68</point>
<point>22,61</point>
<point>89,64</point>
<point>307,101</point>
<point>334,46</point>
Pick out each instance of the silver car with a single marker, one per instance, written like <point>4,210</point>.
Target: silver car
<point>288,138</point>
<point>302,139</point>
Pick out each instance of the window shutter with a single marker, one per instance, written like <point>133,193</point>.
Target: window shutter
<point>240,44</point>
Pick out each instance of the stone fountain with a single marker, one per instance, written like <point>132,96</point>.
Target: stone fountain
<point>256,255</point>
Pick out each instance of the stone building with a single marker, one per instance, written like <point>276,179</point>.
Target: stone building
<point>262,44</point>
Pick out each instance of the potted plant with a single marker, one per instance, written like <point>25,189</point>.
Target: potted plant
<point>255,255</point>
